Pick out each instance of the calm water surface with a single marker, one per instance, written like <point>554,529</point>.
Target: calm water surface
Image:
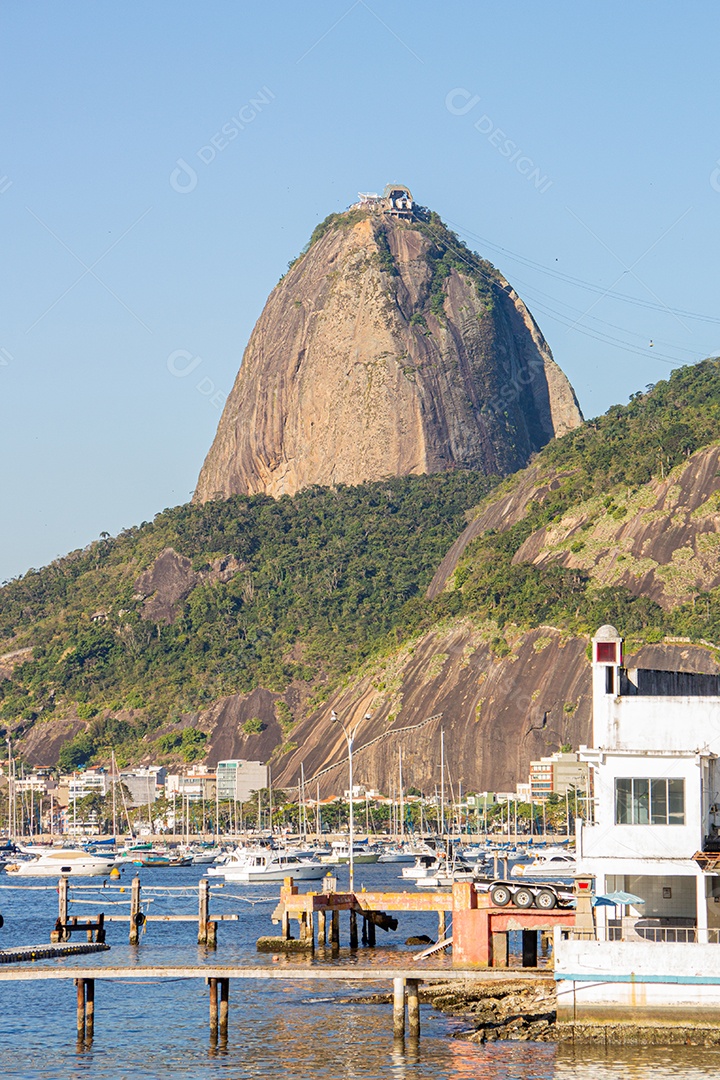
<point>297,1030</point>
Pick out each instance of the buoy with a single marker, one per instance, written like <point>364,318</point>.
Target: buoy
<point>115,873</point>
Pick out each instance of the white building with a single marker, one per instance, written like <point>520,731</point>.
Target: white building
<point>144,784</point>
<point>35,784</point>
<point>196,784</point>
<point>85,783</point>
<point>656,782</point>
<point>237,780</point>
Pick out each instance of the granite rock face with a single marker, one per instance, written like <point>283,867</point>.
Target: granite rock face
<point>388,349</point>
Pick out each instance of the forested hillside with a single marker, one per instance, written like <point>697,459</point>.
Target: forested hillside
<point>231,627</point>
<point>616,522</point>
<point>315,584</point>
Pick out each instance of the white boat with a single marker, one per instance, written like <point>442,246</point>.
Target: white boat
<point>60,862</point>
<point>340,853</point>
<point>548,863</point>
<point>201,856</point>
<point>426,865</point>
<point>398,854</point>
<point>264,865</point>
<point>237,857</point>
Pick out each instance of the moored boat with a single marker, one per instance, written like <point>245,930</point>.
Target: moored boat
<point>340,853</point>
<point>268,865</point>
<point>548,863</point>
<point>60,862</point>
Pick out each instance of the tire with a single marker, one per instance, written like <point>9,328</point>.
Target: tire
<point>500,895</point>
<point>546,899</point>
<point>523,898</point>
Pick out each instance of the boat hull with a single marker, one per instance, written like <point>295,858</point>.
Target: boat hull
<point>256,875</point>
<point>58,869</point>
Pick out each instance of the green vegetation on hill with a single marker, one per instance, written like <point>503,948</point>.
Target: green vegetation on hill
<point>625,448</point>
<point>326,576</point>
<point>330,578</point>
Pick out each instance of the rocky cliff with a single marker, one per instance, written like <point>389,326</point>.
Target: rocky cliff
<point>387,349</point>
<point>500,705</point>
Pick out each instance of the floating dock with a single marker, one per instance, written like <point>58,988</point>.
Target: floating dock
<point>47,952</point>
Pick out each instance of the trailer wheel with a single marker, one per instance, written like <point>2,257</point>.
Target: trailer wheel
<point>546,899</point>
<point>523,898</point>
<point>500,895</point>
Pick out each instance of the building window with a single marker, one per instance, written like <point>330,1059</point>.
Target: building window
<point>646,801</point>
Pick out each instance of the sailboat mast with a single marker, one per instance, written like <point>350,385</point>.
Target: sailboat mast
<point>113,783</point>
<point>442,782</point>
<point>270,798</point>
<point>402,800</point>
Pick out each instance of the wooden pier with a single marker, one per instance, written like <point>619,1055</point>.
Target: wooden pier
<point>479,942</point>
<point>405,984</point>
<point>94,925</point>
<point>312,909</point>
<point>479,930</point>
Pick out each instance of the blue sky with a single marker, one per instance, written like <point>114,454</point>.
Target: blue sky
<point>575,146</point>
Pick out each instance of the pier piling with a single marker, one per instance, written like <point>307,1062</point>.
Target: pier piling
<point>80,985</point>
<point>203,908</point>
<point>85,1009</point>
<point>321,931</point>
<point>353,930</point>
<point>335,930</point>
<point>398,1009</point>
<point>89,1009</point>
<point>413,1004</point>
<point>207,927</point>
<point>59,933</point>
<point>212,983</point>
<point>136,918</point>
<point>224,1007</point>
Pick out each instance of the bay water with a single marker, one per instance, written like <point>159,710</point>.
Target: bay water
<point>294,1030</point>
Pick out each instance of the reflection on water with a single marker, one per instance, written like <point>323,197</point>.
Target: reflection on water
<point>298,1031</point>
<point>161,1030</point>
<point>637,1063</point>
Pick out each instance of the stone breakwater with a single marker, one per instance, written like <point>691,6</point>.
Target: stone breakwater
<point>526,1011</point>
<point>513,1010</point>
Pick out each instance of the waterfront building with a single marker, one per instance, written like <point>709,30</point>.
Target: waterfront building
<point>145,784</point>
<point>656,783</point>
<point>196,785</point>
<point>238,780</point>
<point>653,847</point>
<point>561,773</point>
<point>80,784</point>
